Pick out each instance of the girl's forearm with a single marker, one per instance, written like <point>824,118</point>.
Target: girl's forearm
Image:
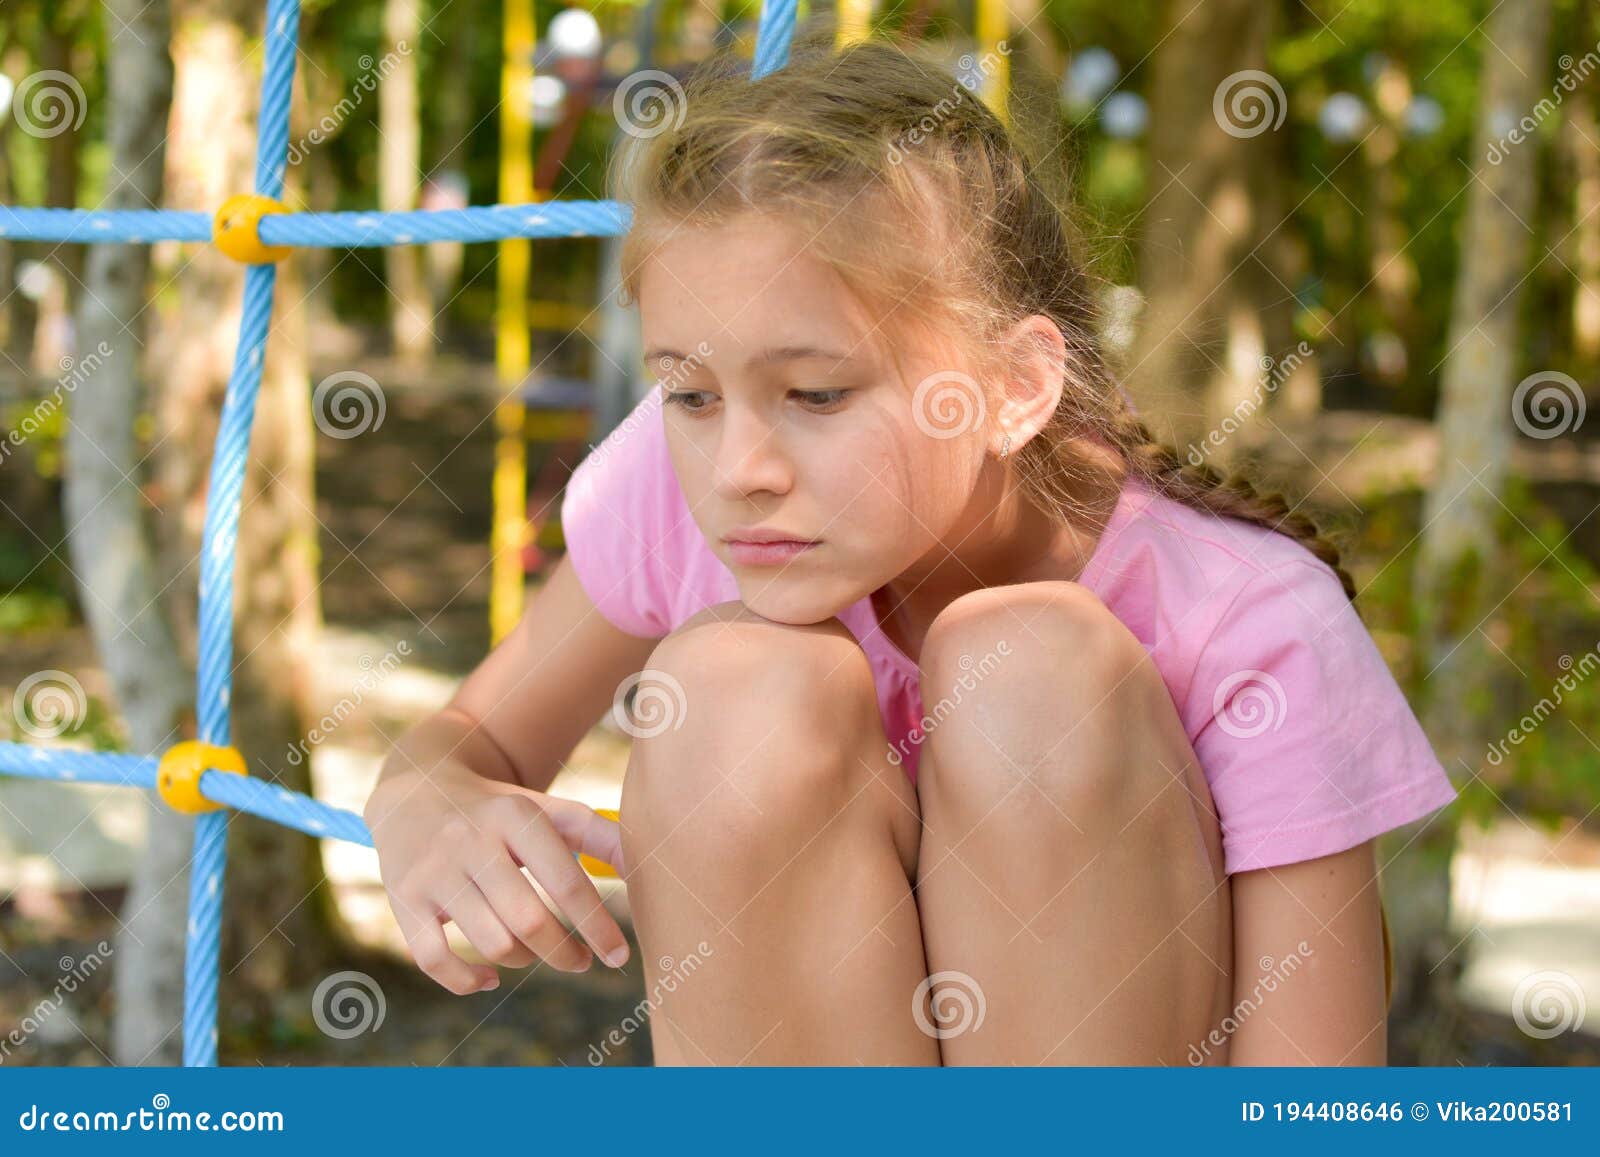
<point>447,747</point>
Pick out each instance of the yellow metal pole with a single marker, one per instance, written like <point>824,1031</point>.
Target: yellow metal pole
<point>855,21</point>
<point>994,25</point>
<point>511,345</point>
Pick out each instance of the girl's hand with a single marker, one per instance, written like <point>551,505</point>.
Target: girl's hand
<point>450,847</point>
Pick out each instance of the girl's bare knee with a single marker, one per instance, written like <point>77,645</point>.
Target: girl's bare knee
<point>1032,690</point>
<point>754,724</point>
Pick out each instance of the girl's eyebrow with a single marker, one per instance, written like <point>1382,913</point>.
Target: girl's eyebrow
<point>788,353</point>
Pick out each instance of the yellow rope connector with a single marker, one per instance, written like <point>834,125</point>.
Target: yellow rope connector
<point>236,229</point>
<point>599,867</point>
<point>178,775</point>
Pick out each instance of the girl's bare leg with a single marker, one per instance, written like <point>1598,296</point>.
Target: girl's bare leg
<point>1070,874</point>
<point>770,846</point>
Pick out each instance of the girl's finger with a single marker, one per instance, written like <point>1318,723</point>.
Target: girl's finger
<point>512,897</point>
<point>543,851</point>
<point>424,936</point>
<point>586,830</point>
<point>475,917</point>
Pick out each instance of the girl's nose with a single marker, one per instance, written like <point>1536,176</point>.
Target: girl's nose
<point>750,456</point>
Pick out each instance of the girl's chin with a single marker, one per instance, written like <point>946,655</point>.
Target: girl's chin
<point>790,608</point>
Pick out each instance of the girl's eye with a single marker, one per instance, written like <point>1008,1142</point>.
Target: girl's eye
<point>689,400</point>
<point>821,399</point>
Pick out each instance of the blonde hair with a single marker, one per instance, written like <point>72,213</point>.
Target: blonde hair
<point>912,189</point>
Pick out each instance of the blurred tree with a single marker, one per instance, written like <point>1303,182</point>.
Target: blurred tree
<point>400,176</point>
<point>61,31</point>
<point>1459,573</point>
<point>1392,271</point>
<point>9,322</point>
<point>1201,342</point>
<point>443,259</point>
<point>702,20</point>
<point>113,554</point>
<point>1581,138</point>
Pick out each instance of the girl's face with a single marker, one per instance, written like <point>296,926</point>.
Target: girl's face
<point>783,414</point>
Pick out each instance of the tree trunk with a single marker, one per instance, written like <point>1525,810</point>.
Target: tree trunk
<point>1458,568</point>
<point>1580,130</point>
<point>1197,328</point>
<point>1394,274</point>
<point>8,256</point>
<point>279,922</point>
<point>702,21</point>
<point>18,312</point>
<point>399,177</point>
<point>443,260</point>
<point>59,33</point>
<point>112,552</point>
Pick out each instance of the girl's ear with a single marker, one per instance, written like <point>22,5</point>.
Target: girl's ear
<point>1036,353</point>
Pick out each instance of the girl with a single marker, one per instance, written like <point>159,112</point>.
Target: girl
<point>971,725</point>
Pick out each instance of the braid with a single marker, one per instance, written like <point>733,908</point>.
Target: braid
<point>1233,495</point>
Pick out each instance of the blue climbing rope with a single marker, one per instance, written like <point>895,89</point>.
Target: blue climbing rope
<point>327,230</point>
<point>221,533</point>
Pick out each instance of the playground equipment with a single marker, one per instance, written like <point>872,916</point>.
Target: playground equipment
<point>203,777</point>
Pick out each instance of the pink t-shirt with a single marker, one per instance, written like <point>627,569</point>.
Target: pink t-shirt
<point>1305,738</point>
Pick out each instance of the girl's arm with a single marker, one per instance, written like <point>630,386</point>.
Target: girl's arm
<point>523,709</point>
<point>459,807</point>
<point>1308,963</point>
<point>551,679</point>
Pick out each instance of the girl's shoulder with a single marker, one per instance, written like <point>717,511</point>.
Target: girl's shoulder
<point>1304,733</point>
<point>1220,548</point>
<point>1173,573</point>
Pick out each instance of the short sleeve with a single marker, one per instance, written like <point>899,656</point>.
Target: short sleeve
<point>1308,742</point>
<point>616,517</point>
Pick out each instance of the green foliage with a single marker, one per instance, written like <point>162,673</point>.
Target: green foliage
<point>1541,620</point>
<point>98,728</point>
<point>33,594</point>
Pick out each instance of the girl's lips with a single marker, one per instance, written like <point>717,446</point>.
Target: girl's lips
<point>766,553</point>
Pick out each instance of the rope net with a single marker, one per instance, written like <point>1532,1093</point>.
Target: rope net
<point>203,778</point>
